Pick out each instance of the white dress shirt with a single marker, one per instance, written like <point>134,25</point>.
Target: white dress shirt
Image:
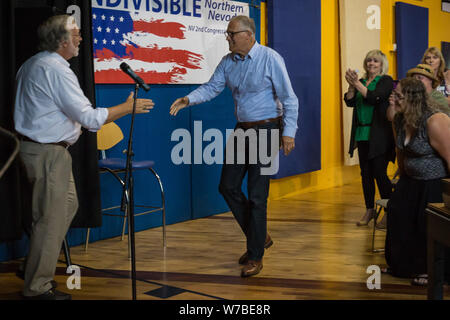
<point>50,105</point>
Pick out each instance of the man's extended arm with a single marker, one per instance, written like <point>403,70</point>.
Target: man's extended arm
<point>142,106</point>
<point>204,93</point>
<point>77,107</point>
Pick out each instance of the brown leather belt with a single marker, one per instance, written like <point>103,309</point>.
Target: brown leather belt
<point>251,124</point>
<point>63,144</point>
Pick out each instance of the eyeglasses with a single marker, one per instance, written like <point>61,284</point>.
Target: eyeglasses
<point>231,34</point>
<point>397,95</point>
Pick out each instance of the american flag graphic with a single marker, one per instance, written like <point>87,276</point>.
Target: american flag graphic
<point>154,48</point>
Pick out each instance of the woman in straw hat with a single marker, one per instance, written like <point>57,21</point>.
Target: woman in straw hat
<point>423,153</point>
<point>435,59</point>
<point>371,131</point>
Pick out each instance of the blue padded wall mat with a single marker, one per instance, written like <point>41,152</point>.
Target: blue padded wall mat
<point>295,32</point>
<point>411,32</point>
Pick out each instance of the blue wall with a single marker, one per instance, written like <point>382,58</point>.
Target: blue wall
<point>294,31</point>
<point>411,33</point>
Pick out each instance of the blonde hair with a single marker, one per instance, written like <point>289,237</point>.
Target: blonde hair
<point>441,69</point>
<point>379,55</point>
<point>52,32</point>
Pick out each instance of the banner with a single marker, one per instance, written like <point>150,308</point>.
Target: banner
<point>360,26</point>
<point>163,41</point>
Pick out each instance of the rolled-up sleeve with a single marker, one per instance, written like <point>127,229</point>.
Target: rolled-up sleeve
<point>74,104</point>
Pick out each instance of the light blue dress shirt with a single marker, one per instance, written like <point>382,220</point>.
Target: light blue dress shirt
<point>259,82</point>
<point>50,105</point>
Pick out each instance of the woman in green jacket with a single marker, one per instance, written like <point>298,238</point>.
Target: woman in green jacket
<point>371,131</point>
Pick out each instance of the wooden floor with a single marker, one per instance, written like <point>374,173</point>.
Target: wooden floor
<point>318,253</point>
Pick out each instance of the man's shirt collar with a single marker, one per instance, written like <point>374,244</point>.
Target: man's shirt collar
<point>251,54</point>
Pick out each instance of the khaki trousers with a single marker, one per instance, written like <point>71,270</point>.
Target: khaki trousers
<point>54,205</point>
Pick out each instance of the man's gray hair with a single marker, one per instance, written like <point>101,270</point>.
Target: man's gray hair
<point>246,22</point>
<point>52,32</point>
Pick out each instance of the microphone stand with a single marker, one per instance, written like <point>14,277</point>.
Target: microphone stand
<point>128,187</point>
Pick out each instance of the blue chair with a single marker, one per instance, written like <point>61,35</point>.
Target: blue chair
<point>108,136</point>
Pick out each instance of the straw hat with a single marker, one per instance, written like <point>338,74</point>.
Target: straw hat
<point>423,69</point>
<point>426,70</point>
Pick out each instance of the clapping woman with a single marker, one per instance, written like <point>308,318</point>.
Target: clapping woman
<point>371,131</point>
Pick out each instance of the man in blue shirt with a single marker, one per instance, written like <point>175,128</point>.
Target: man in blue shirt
<point>264,101</point>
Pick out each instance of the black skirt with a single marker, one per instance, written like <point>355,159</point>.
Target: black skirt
<point>406,237</point>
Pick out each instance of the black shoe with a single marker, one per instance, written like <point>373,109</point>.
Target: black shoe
<point>51,294</point>
<point>21,274</point>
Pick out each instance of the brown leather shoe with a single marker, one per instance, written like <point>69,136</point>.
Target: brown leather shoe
<point>251,268</point>
<point>244,258</point>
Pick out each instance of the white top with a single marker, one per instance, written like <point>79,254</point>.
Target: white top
<point>50,105</point>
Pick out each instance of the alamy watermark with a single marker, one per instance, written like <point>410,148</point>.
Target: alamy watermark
<point>374,281</point>
<point>258,145</point>
<point>74,281</point>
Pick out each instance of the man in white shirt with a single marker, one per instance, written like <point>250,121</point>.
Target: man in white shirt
<point>50,108</point>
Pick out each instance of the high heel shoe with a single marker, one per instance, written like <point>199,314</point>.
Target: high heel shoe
<point>369,215</point>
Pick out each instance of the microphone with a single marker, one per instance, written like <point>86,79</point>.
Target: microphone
<point>126,68</point>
